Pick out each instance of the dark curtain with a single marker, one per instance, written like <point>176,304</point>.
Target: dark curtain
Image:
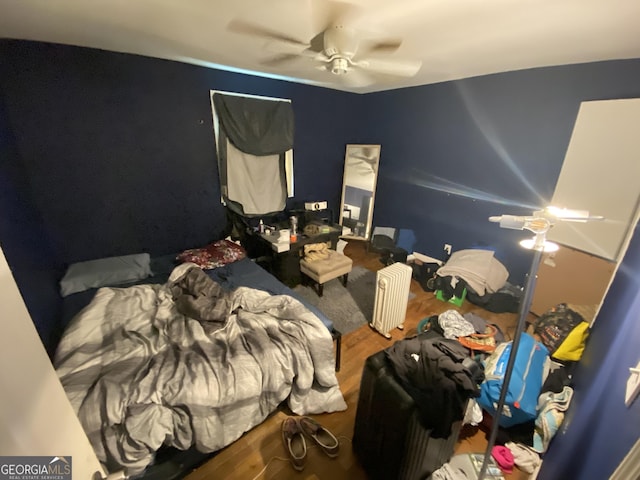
<point>253,136</point>
<point>258,127</point>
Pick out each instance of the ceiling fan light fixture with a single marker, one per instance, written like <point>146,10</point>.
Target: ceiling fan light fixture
<point>339,66</point>
<point>335,48</point>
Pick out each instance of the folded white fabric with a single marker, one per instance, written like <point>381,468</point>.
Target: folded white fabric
<point>482,272</point>
<point>525,458</point>
<point>473,414</point>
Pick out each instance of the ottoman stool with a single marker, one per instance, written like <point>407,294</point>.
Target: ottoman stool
<point>323,270</point>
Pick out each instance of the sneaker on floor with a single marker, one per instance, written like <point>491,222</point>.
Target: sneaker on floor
<point>323,437</point>
<point>294,442</point>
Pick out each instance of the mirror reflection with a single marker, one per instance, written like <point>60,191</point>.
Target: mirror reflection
<point>358,190</point>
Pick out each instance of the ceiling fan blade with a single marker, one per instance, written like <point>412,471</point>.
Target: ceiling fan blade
<point>320,57</point>
<point>397,67</point>
<point>280,60</point>
<point>356,78</point>
<point>317,42</point>
<point>385,46</point>
<point>247,28</point>
<point>286,47</point>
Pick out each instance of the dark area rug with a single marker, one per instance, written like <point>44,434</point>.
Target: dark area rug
<point>349,307</point>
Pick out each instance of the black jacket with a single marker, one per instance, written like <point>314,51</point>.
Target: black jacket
<point>430,368</point>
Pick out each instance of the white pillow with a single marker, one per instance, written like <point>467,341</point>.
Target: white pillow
<point>105,272</point>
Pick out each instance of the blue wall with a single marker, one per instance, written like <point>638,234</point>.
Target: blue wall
<point>25,242</point>
<point>120,152</point>
<point>118,155</point>
<point>598,430</point>
<point>455,153</point>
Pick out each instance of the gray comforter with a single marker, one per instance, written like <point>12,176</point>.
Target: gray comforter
<point>140,373</point>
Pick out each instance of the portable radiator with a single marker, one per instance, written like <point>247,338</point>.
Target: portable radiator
<point>392,294</point>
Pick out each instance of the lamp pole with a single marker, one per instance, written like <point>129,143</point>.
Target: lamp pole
<point>539,224</point>
<point>523,311</point>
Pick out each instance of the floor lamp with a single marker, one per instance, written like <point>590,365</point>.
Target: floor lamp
<point>539,224</point>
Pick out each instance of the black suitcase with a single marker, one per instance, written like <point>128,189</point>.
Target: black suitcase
<point>388,438</point>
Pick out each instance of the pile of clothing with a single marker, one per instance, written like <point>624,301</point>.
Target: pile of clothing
<point>440,376</point>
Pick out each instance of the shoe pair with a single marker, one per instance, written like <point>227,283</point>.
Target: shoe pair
<point>294,431</point>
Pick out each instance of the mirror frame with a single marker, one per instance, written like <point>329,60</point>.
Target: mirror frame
<point>350,149</point>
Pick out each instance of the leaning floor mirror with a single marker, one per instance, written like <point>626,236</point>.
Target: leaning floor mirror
<point>358,190</point>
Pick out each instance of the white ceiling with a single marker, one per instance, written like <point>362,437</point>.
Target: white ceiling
<point>452,38</point>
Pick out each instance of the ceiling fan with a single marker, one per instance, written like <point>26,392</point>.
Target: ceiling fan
<point>350,54</point>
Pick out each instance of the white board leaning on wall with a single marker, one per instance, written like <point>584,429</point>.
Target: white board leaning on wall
<point>601,174</point>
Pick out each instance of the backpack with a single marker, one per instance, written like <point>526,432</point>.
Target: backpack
<point>425,274</point>
<point>563,331</point>
<point>529,372</point>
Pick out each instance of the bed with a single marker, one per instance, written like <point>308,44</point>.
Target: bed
<point>191,359</point>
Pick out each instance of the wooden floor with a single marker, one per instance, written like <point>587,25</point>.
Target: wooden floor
<point>260,453</point>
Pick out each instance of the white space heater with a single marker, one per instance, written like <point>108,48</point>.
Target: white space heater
<point>392,294</point>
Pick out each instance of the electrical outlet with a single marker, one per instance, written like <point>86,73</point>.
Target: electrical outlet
<point>447,248</point>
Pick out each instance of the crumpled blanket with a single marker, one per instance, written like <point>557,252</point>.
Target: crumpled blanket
<point>140,373</point>
<point>479,268</point>
<point>455,325</point>
<point>197,296</point>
